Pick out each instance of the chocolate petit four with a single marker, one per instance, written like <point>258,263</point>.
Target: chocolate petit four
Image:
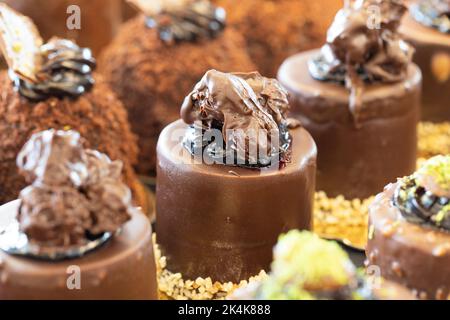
<point>53,85</point>
<point>277,29</point>
<point>409,233</point>
<point>427,27</point>
<point>96,25</point>
<point>232,175</point>
<point>359,97</point>
<point>306,267</point>
<point>159,55</point>
<point>73,233</point>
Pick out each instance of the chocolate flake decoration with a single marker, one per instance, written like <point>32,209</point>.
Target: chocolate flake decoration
<point>433,13</point>
<point>59,68</point>
<point>363,47</point>
<point>249,111</point>
<point>183,20</point>
<point>76,200</point>
<point>423,198</point>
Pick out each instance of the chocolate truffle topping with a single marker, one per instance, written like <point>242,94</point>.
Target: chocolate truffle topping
<point>183,20</point>
<point>250,112</point>
<point>363,46</point>
<point>424,197</point>
<point>59,68</point>
<point>75,195</point>
<point>433,13</point>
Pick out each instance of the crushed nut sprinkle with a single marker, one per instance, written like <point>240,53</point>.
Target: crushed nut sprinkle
<point>434,139</point>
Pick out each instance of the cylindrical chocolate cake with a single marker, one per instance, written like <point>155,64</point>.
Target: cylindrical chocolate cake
<point>73,233</point>
<point>360,103</point>
<point>427,27</point>
<point>220,209</point>
<point>159,55</point>
<point>409,237</point>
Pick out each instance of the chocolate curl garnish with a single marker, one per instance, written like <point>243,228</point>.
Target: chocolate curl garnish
<point>20,43</point>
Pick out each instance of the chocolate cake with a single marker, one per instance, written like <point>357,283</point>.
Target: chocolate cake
<point>54,86</point>
<point>73,233</point>
<point>360,100</point>
<point>277,29</point>
<point>409,237</point>
<point>158,56</point>
<point>99,19</point>
<point>427,27</point>
<point>232,175</point>
<point>306,267</point>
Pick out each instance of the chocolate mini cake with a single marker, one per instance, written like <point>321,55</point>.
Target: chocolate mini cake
<point>427,27</point>
<point>73,233</point>
<point>360,100</point>
<point>99,19</point>
<point>232,175</point>
<point>306,267</point>
<point>409,235</point>
<point>53,86</point>
<point>276,29</point>
<point>159,55</point>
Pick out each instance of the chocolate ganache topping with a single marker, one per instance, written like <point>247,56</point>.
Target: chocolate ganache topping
<point>183,20</point>
<point>363,46</point>
<point>433,13</point>
<point>75,196</point>
<point>424,197</point>
<point>59,68</point>
<point>248,110</point>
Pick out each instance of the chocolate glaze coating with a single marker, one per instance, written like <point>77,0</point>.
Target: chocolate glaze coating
<point>356,162</point>
<point>431,45</point>
<point>222,222</point>
<point>124,268</point>
<point>407,253</point>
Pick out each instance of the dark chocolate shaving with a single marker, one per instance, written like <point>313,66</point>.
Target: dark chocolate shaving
<point>66,72</point>
<point>433,13</point>
<point>197,20</point>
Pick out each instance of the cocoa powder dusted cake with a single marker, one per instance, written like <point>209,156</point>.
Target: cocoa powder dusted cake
<point>159,55</point>
<point>306,267</point>
<point>73,233</point>
<point>277,29</point>
<point>232,175</point>
<point>53,85</point>
<point>359,97</point>
<point>427,27</point>
<point>409,237</point>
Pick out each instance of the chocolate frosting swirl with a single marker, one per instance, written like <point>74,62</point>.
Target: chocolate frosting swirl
<point>433,13</point>
<point>75,195</point>
<point>66,72</point>
<point>424,197</point>
<point>364,46</point>
<point>249,110</point>
<point>196,20</point>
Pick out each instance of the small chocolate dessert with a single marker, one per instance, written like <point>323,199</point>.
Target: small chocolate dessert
<point>277,29</point>
<point>159,55</point>
<point>306,267</point>
<point>73,233</point>
<point>53,85</point>
<point>232,175</point>
<point>409,237</point>
<point>359,97</point>
<point>90,23</point>
<point>427,27</point>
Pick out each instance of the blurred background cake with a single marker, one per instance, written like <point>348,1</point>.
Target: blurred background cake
<point>159,55</point>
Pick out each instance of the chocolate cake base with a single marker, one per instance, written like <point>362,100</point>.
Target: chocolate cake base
<point>412,255</point>
<point>123,268</point>
<point>433,57</point>
<point>356,160</point>
<point>98,116</point>
<point>152,77</point>
<point>222,221</point>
